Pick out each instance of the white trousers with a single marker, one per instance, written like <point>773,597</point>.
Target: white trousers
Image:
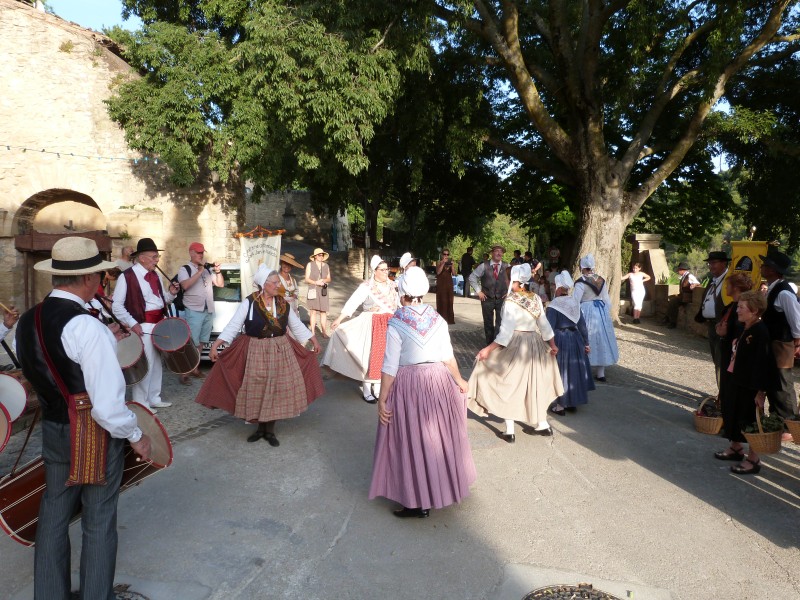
<point>148,390</point>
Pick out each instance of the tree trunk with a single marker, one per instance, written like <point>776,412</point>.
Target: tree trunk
<point>602,226</point>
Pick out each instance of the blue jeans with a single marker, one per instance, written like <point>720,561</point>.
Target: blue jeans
<point>200,323</point>
<point>98,505</point>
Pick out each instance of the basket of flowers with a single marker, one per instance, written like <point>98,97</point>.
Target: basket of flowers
<point>793,425</point>
<point>764,436</point>
<point>708,417</point>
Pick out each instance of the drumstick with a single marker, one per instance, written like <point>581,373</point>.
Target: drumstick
<point>5,308</point>
<point>102,300</point>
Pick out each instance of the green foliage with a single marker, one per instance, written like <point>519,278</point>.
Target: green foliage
<point>769,423</point>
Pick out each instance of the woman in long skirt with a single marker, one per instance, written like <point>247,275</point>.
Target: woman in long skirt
<point>445,270</point>
<point>516,376</point>
<point>572,340</point>
<point>422,455</point>
<point>357,346</point>
<point>264,375</point>
<point>592,292</point>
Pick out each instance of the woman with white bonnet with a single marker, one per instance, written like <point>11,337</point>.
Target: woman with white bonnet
<point>406,261</point>
<point>265,374</point>
<point>572,339</point>
<point>422,455</point>
<point>356,348</point>
<point>592,293</point>
<point>516,376</point>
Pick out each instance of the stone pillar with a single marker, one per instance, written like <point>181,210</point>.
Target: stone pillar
<point>646,251</point>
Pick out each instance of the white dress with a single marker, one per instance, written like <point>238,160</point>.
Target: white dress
<point>637,289</point>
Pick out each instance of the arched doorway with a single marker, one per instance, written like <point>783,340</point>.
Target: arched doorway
<point>35,236</point>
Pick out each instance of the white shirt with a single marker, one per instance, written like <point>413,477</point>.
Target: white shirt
<point>709,300</point>
<point>3,331</point>
<point>403,350</point>
<point>516,318</point>
<point>92,345</point>
<point>364,297</point>
<point>692,279</point>
<point>477,273</point>
<point>151,300</point>
<point>786,302</point>
<point>300,332</point>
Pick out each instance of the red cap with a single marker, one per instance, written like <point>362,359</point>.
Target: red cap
<point>196,247</point>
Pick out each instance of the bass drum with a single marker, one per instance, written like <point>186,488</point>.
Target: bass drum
<point>132,359</point>
<point>16,393</point>
<point>5,427</point>
<point>173,339</point>
<point>21,492</point>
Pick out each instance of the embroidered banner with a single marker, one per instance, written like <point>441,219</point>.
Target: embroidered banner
<point>255,252</point>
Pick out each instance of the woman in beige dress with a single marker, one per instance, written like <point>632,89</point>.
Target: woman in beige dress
<point>516,377</point>
<point>289,287</point>
<point>318,276</point>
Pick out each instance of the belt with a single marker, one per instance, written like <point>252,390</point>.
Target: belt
<point>153,316</point>
<point>567,329</point>
<point>270,335</point>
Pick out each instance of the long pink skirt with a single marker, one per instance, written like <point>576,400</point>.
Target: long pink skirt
<point>422,457</point>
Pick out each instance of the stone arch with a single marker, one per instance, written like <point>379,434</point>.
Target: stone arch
<point>33,246</point>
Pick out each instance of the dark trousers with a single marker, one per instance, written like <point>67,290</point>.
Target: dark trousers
<point>782,399</point>
<point>673,306</point>
<point>715,346</point>
<point>98,505</point>
<point>491,309</point>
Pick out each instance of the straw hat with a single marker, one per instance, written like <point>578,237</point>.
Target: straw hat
<point>74,256</point>
<point>319,251</point>
<point>290,260</point>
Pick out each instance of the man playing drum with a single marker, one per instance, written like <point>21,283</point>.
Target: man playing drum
<point>198,281</point>
<point>139,303</point>
<point>69,357</point>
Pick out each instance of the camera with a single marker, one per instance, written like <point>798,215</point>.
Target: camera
<point>209,266</point>
<point>324,291</point>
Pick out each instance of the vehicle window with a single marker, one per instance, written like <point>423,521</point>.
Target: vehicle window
<point>232,292</point>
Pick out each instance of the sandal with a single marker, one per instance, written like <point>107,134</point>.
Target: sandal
<point>740,470</point>
<point>734,454</point>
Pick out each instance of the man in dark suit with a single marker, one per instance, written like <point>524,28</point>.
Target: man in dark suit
<point>713,306</point>
<point>467,264</point>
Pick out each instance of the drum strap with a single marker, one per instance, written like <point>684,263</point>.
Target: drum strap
<point>88,441</point>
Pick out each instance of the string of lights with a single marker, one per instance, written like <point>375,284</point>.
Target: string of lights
<point>60,153</point>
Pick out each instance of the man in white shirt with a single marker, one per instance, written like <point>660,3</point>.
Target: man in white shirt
<point>713,305</point>
<point>490,280</point>
<point>140,302</point>
<point>198,281</point>
<point>67,355</point>
<point>10,317</point>
<point>684,296</point>
<point>782,319</point>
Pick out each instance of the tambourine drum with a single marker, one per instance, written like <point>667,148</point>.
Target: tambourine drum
<point>173,338</point>
<point>5,427</point>
<point>21,492</point>
<point>15,393</point>
<point>132,359</point>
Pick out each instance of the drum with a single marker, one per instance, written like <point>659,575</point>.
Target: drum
<point>16,393</point>
<point>5,427</point>
<point>173,338</point>
<point>132,359</point>
<point>21,492</point>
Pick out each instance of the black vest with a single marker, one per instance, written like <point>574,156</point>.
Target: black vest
<point>494,288</point>
<point>56,313</point>
<point>776,322</point>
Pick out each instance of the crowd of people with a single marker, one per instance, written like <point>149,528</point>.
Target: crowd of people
<point>545,333</point>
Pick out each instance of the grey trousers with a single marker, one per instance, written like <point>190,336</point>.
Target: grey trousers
<point>782,399</point>
<point>98,504</point>
<point>715,346</point>
<point>491,309</point>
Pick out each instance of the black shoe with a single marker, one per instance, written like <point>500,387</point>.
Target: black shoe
<point>636,321</point>
<point>509,437</point>
<point>545,432</point>
<point>601,379</point>
<point>271,439</point>
<point>560,412</point>
<point>370,399</point>
<point>737,455</point>
<point>571,409</point>
<point>405,513</point>
<point>740,470</point>
<point>256,436</point>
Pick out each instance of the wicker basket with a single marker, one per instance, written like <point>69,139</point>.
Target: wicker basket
<point>794,429</point>
<point>764,443</point>
<point>703,424</point>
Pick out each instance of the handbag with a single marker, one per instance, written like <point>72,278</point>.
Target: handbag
<point>312,293</point>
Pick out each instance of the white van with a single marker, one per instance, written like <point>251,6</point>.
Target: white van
<point>226,301</point>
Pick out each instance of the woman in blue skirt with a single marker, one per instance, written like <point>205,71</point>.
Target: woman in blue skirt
<point>591,291</point>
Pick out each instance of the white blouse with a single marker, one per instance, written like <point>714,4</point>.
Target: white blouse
<point>364,297</point>
<point>515,318</point>
<point>427,342</point>
<point>300,332</point>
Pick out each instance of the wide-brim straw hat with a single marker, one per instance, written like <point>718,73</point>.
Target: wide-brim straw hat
<point>319,251</point>
<point>502,249</point>
<point>290,260</point>
<point>74,256</point>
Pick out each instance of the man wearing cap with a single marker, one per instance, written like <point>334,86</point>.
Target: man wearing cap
<point>198,282</point>
<point>684,296</point>
<point>490,280</point>
<point>782,319</point>
<point>69,357</point>
<point>140,302</point>
<point>713,305</point>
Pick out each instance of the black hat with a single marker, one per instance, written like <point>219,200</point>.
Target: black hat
<point>778,261</point>
<point>145,245</point>
<point>683,266</point>
<point>718,255</point>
